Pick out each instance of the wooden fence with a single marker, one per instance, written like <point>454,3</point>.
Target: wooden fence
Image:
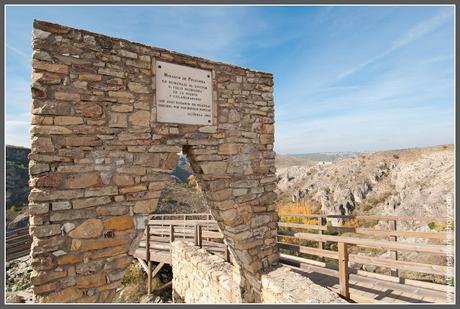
<point>321,232</point>
<point>163,229</point>
<point>18,243</point>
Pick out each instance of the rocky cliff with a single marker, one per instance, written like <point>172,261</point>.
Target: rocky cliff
<point>411,182</point>
<point>17,175</point>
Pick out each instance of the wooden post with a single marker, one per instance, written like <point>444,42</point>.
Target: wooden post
<point>343,270</point>
<point>200,239</point>
<point>196,235</point>
<point>149,263</point>
<point>227,254</point>
<point>394,253</point>
<point>321,244</point>
<point>171,233</point>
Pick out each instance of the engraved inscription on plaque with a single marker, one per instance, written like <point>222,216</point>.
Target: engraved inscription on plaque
<point>184,94</point>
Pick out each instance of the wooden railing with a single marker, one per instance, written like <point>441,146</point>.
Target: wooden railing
<point>169,227</point>
<point>201,227</point>
<point>18,243</point>
<point>345,242</point>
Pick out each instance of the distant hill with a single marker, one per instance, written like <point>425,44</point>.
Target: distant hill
<point>17,175</point>
<point>282,161</point>
<point>327,156</point>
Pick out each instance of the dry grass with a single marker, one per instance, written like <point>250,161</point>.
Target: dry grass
<point>134,285</point>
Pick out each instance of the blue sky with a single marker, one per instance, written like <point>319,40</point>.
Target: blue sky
<point>347,78</point>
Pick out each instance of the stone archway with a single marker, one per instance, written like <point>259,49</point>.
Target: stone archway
<point>99,160</point>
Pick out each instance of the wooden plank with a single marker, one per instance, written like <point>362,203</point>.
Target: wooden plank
<point>403,265</point>
<point>18,237</point>
<point>155,256</point>
<point>373,217</point>
<point>319,252</point>
<point>204,214</point>
<point>211,234</point>
<point>19,253</point>
<point>302,226</point>
<point>157,269</point>
<point>143,265</point>
<point>430,285</point>
<point>155,245</point>
<point>182,222</point>
<point>298,260</point>
<point>18,246</point>
<point>343,270</point>
<point>19,231</point>
<point>435,249</point>
<point>21,247</point>
<point>162,288</point>
<point>302,215</point>
<point>361,299</point>
<point>361,273</point>
<point>391,218</point>
<point>386,233</point>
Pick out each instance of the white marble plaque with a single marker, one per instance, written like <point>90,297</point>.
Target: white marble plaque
<point>184,94</point>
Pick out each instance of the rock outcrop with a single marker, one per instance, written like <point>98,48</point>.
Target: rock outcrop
<point>17,175</point>
<point>411,182</point>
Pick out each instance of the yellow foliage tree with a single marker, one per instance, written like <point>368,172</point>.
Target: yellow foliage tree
<point>297,208</point>
<point>193,183</point>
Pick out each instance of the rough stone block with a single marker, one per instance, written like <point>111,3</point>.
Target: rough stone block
<point>119,223</point>
<point>90,202</point>
<point>90,228</point>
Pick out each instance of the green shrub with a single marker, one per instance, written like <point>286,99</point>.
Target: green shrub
<point>435,226</point>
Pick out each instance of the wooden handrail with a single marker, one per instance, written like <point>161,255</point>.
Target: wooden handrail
<point>368,231</point>
<point>190,228</point>
<point>434,249</point>
<point>376,261</point>
<point>372,217</point>
<point>181,222</point>
<point>211,234</point>
<point>303,226</point>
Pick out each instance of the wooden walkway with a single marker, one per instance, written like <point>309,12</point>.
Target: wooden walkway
<point>18,243</point>
<point>370,287</point>
<point>354,285</point>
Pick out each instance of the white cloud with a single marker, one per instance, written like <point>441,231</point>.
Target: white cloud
<point>416,32</point>
<point>423,28</point>
<point>17,132</point>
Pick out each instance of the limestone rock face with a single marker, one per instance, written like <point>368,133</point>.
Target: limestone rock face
<point>17,177</point>
<point>100,159</point>
<point>411,182</point>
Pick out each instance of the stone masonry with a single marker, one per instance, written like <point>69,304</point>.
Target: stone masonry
<point>200,277</point>
<point>99,161</point>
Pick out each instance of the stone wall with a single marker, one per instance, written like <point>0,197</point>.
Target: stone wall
<point>284,285</point>
<point>200,277</point>
<point>99,161</point>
